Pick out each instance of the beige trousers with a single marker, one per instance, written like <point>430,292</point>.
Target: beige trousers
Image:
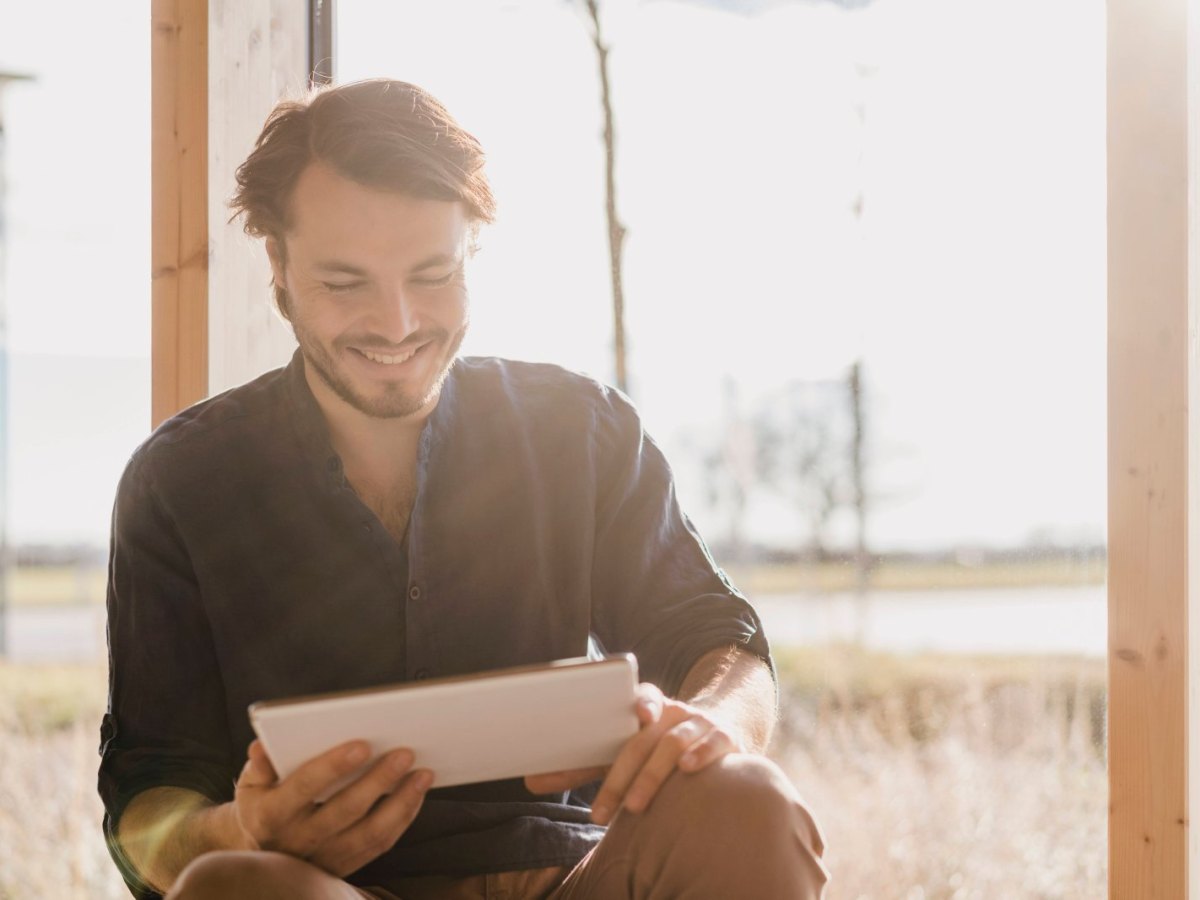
<point>734,831</point>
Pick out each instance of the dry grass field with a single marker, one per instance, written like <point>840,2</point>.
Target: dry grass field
<point>56,585</point>
<point>934,778</point>
<point>77,585</point>
<point>916,575</point>
<point>951,778</point>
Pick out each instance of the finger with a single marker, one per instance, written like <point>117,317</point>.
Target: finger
<point>258,771</point>
<point>649,703</point>
<point>708,750</point>
<point>663,761</point>
<point>558,782</point>
<point>299,790</point>
<point>622,772</point>
<point>353,802</point>
<point>374,835</point>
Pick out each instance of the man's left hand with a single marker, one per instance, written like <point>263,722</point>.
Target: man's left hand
<point>671,735</point>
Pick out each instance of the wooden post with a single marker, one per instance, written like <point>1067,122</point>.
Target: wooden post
<point>218,68</point>
<point>1151,288</point>
<point>179,205</point>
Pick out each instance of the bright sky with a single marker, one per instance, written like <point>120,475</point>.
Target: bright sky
<point>973,289</point>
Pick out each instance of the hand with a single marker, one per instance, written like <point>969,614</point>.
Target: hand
<point>671,735</point>
<point>358,823</point>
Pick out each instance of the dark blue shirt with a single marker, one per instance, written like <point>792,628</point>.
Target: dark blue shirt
<point>244,567</point>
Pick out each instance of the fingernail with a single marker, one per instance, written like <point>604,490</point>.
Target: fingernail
<point>400,763</point>
<point>423,781</point>
<point>600,813</point>
<point>688,759</point>
<point>356,754</point>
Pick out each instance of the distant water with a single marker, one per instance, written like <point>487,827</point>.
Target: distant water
<point>56,634</point>
<point>995,620</point>
<point>1041,620</point>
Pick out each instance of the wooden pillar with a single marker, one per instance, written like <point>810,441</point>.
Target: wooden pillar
<point>179,205</point>
<point>1152,441</point>
<point>218,67</point>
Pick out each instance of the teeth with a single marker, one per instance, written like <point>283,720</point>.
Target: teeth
<point>389,360</point>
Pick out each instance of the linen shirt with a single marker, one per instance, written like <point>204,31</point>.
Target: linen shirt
<point>244,567</point>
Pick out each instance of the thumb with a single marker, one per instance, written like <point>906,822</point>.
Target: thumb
<point>258,771</point>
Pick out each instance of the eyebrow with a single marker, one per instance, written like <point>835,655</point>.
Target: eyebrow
<point>335,265</point>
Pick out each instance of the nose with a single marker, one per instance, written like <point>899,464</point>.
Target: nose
<point>396,316</point>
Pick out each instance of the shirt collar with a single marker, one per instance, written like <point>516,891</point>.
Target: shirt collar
<point>313,432</point>
<point>309,422</point>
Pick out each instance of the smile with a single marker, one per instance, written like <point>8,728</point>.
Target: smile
<point>388,359</point>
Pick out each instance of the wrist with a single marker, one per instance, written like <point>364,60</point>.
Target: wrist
<point>223,829</point>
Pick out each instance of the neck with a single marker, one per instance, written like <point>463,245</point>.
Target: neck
<point>365,442</point>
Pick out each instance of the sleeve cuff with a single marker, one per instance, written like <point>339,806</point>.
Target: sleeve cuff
<point>122,779</point>
<point>681,652</point>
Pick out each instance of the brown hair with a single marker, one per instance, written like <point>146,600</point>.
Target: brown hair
<point>381,133</point>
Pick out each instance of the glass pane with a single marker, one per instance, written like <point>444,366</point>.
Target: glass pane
<point>75,295</point>
<point>910,191</point>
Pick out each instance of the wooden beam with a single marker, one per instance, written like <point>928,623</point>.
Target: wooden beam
<point>1148,442</point>
<point>179,205</point>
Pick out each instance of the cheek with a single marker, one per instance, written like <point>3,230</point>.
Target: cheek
<point>321,319</point>
<point>457,309</point>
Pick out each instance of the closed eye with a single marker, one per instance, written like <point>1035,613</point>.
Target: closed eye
<point>336,288</point>
<point>440,282</point>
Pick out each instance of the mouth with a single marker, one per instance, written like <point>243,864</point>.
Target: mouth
<point>389,359</point>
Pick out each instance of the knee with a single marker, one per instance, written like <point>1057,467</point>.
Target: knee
<point>233,874</point>
<point>742,793</point>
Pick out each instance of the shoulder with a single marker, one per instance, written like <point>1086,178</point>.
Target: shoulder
<point>540,389</point>
<point>241,414</point>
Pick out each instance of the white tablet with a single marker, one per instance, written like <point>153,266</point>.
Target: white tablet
<point>569,714</point>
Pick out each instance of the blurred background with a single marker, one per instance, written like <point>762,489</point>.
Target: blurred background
<point>864,315</point>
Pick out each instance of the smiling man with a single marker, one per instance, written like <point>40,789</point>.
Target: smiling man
<point>382,510</point>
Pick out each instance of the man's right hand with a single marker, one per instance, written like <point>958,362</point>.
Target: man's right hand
<point>351,828</point>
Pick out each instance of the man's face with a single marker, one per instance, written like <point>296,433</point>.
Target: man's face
<point>374,291</point>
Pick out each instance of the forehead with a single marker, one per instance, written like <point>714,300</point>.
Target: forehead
<point>334,216</point>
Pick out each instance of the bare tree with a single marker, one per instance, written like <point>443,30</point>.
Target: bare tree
<point>802,454</point>
<point>729,465</point>
<point>858,476</point>
<point>616,231</point>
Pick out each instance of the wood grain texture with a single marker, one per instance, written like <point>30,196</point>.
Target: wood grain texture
<point>1148,284</point>
<point>1193,451</point>
<point>179,205</point>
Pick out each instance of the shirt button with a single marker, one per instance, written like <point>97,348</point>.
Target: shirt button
<point>366,525</point>
<point>421,674</point>
<point>334,464</point>
<point>414,593</point>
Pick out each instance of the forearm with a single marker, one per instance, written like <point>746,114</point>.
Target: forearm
<point>735,686</point>
<point>164,829</point>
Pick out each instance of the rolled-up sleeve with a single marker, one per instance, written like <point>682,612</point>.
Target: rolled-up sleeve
<point>166,722</point>
<point>657,591</point>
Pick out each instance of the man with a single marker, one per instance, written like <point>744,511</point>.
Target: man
<point>381,511</point>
